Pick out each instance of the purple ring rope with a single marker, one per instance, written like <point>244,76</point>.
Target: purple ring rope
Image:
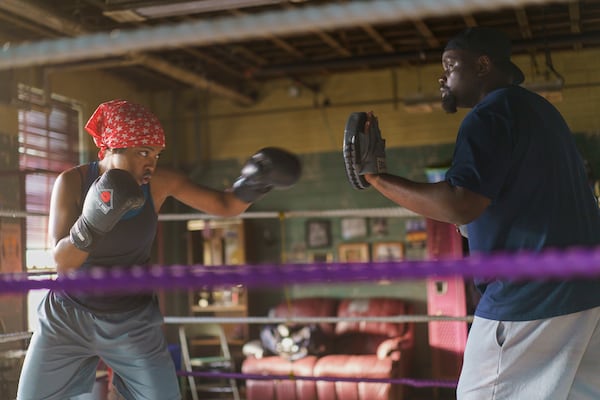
<point>420,383</point>
<point>570,263</point>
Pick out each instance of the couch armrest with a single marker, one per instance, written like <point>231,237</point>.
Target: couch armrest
<point>394,347</point>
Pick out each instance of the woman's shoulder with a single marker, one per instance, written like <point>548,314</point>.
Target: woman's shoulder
<point>73,174</point>
<point>73,178</point>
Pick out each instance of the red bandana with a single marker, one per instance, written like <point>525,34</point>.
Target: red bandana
<point>119,124</point>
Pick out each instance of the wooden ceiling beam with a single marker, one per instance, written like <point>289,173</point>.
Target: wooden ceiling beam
<point>388,48</point>
<point>427,34</point>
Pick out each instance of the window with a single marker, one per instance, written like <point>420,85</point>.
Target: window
<point>48,144</point>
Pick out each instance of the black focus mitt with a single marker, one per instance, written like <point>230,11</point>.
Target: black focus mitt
<point>364,150</point>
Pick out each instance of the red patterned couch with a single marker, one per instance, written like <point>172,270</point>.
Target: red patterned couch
<point>358,350</point>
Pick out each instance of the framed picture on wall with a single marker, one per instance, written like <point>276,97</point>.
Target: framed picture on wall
<point>318,233</point>
<point>353,252</point>
<point>388,251</point>
<point>321,257</point>
<point>354,228</point>
<point>379,226</point>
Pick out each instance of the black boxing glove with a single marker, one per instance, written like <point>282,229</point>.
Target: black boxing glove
<point>269,168</point>
<point>112,194</point>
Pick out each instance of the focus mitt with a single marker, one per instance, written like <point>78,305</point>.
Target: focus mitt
<point>364,150</point>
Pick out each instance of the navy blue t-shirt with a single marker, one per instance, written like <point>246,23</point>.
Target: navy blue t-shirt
<point>515,148</point>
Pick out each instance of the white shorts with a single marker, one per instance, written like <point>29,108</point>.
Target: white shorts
<point>549,359</point>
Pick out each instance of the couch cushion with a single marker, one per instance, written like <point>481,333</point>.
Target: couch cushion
<point>354,366</point>
<point>287,389</point>
<point>357,343</point>
<point>371,307</point>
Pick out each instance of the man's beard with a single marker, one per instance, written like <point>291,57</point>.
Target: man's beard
<point>449,102</point>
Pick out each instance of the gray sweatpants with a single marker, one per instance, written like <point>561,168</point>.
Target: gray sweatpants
<point>549,359</point>
<point>64,353</point>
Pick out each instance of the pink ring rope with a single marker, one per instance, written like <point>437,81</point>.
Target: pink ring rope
<point>570,263</point>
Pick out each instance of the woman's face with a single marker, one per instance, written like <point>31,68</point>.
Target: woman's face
<point>139,161</point>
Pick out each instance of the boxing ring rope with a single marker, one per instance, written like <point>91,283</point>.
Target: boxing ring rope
<point>398,212</point>
<point>20,213</point>
<point>13,337</point>
<point>317,320</point>
<point>572,262</point>
<point>420,383</point>
<point>568,263</point>
<point>239,28</point>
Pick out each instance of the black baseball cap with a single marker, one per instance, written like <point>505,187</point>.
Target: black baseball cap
<point>491,42</point>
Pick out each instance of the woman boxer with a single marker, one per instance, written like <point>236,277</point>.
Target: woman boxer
<point>105,213</point>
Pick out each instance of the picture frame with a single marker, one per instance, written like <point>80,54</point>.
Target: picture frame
<point>353,228</point>
<point>318,233</point>
<point>379,226</point>
<point>353,252</point>
<point>321,257</point>
<point>388,251</point>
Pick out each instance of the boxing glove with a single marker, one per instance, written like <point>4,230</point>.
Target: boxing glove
<point>112,194</point>
<point>269,168</point>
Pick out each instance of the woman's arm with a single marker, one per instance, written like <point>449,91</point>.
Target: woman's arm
<point>168,182</point>
<point>65,208</point>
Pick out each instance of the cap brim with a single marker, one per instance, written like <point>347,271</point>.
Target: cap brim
<point>517,74</point>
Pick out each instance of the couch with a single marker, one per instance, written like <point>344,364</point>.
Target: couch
<point>355,350</point>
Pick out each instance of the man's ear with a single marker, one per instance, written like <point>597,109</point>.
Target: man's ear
<point>484,65</point>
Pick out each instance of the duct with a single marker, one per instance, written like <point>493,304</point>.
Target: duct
<point>44,17</point>
<point>240,28</point>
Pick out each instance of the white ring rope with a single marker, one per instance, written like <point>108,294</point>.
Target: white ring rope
<point>308,320</point>
<point>20,214</point>
<point>357,212</point>
<point>240,28</point>
<point>13,337</point>
<point>171,320</point>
